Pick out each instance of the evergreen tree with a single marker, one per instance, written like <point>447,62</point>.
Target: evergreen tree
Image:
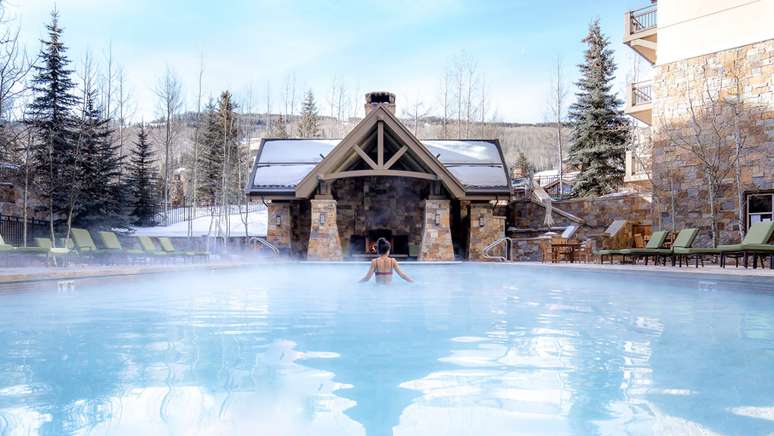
<point>210,157</point>
<point>53,154</point>
<point>143,181</point>
<point>523,165</point>
<point>309,126</point>
<point>600,130</point>
<point>279,129</point>
<point>99,203</point>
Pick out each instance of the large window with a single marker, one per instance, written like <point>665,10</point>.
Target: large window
<point>760,207</point>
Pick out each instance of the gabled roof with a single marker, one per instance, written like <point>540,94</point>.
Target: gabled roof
<point>293,167</point>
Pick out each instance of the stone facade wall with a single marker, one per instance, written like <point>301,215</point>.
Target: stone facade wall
<point>279,235</point>
<point>675,166</point>
<point>599,212</point>
<point>436,238</point>
<point>324,243</point>
<point>481,237</point>
<point>369,203</point>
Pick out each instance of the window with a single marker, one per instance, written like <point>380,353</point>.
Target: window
<point>760,207</point>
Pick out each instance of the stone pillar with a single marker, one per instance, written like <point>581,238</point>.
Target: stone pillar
<point>324,243</point>
<point>485,228</point>
<point>436,236</point>
<point>278,231</point>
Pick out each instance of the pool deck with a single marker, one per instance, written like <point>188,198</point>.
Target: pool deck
<point>715,270</point>
<point>36,274</point>
<point>74,272</point>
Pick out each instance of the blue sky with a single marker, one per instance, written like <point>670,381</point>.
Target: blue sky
<point>401,45</point>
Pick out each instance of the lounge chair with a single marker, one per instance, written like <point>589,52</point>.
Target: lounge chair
<point>756,242</point>
<point>654,248</point>
<point>683,249</point>
<point>168,247</point>
<point>149,248</point>
<point>53,253</point>
<point>113,245</point>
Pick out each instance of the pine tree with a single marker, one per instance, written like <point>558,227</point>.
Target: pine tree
<point>143,181</point>
<point>309,126</point>
<point>53,155</point>
<point>279,129</point>
<point>210,157</point>
<point>523,165</point>
<point>100,202</point>
<point>600,130</point>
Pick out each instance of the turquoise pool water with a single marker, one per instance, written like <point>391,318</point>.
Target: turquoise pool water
<point>467,350</point>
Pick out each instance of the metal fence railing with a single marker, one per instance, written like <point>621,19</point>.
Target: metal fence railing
<point>12,229</point>
<point>185,213</point>
<point>643,19</point>
<point>642,93</point>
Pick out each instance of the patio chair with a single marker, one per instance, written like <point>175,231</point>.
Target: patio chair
<point>168,247</point>
<point>150,249</point>
<point>683,249</point>
<point>53,254</point>
<point>113,245</point>
<point>756,242</point>
<point>84,243</point>
<point>654,248</point>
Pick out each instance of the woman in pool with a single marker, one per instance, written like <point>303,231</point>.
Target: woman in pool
<point>384,265</point>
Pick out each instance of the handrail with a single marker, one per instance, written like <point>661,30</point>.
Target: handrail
<point>485,253</point>
<point>641,92</point>
<point>256,240</point>
<point>643,19</point>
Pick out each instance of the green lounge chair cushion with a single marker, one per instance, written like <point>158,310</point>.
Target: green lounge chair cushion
<point>149,247</point>
<point>110,241</point>
<point>685,238</point>
<point>657,239</point>
<point>767,248</point>
<point>83,241</point>
<point>645,251</point>
<point>696,250</point>
<point>169,247</point>
<point>607,252</point>
<point>759,233</point>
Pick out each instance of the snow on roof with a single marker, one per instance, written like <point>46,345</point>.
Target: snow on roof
<point>296,150</point>
<point>479,176</point>
<point>283,163</point>
<point>280,175</point>
<point>464,151</point>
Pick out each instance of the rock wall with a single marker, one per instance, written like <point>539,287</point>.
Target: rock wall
<point>279,234</point>
<point>436,238</point>
<point>481,236</point>
<point>369,203</point>
<point>676,169</point>
<point>324,243</point>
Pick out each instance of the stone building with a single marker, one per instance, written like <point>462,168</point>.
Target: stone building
<point>712,84</point>
<point>331,199</point>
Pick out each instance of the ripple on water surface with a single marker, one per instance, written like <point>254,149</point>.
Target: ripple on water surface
<point>467,349</point>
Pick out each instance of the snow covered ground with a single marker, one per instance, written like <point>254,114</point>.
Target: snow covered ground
<point>257,222</point>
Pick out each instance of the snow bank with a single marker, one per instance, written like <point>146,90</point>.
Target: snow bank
<point>256,226</point>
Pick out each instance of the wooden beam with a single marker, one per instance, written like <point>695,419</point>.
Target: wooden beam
<point>379,173</point>
<point>380,143</point>
<point>395,157</point>
<point>365,157</point>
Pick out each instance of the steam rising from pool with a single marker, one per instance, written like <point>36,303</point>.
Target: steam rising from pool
<point>297,349</point>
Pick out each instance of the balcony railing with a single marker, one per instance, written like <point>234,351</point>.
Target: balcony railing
<point>641,93</point>
<point>642,19</point>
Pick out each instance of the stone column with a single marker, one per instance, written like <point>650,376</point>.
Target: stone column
<point>278,231</point>
<point>485,228</point>
<point>324,243</point>
<point>436,235</point>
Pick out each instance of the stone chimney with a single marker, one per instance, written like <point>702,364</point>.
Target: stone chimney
<point>379,98</point>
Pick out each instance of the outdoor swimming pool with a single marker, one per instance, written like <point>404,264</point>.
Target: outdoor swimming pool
<point>471,349</point>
